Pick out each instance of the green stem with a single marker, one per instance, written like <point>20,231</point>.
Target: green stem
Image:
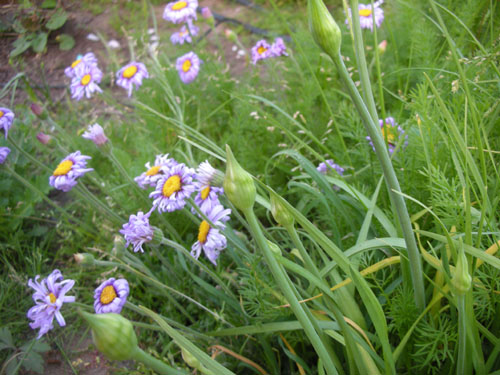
<point>155,364</point>
<point>89,197</point>
<point>309,324</point>
<point>462,336</point>
<point>375,134</point>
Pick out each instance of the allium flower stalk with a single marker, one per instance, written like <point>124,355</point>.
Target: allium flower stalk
<point>110,296</point>
<point>76,68</point>
<point>180,11</point>
<point>138,231</point>
<point>84,83</point>
<point>96,134</point>
<point>68,171</point>
<point>188,67</point>
<point>210,239</point>
<point>6,120</point>
<point>49,296</point>
<point>131,75</point>
<point>4,152</point>
<point>154,172</point>
<point>173,188</point>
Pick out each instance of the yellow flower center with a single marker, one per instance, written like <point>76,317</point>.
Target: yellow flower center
<point>388,133</point>
<point>183,33</point>
<point>63,168</point>
<point>85,79</point>
<point>52,298</point>
<point>129,72</point>
<point>365,12</point>
<point>172,185</point>
<point>108,295</point>
<point>153,171</point>
<point>75,63</point>
<point>186,65</point>
<point>205,192</point>
<point>203,231</point>
<point>179,5</point>
<point>261,50</point>
<point>1,114</point>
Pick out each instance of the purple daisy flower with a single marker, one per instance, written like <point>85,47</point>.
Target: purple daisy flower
<point>392,133</point>
<point>49,296</point>
<point>210,239</point>
<point>77,66</point>
<point>96,134</point>
<point>261,51</point>
<point>85,83</point>
<point>4,152</point>
<point>153,173</point>
<point>278,48</point>
<point>110,296</point>
<point>6,119</point>
<point>69,170</point>
<point>130,75</point>
<point>207,197</point>
<point>137,231</point>
<point>185,35</point>
<point>173,188</point>
<point>180,11</point>
<point>325,167</point>
<point>188,66</point>
<point>366,15</point>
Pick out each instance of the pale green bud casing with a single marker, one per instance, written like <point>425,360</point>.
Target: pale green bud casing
<point>118,246</point>
<point>84,259</point>
<point>461,280</point>
<point>323,27</point>
<point>274,248</point>
<point>238,184</point>
<point>280,212</point>
<point>113,335</point>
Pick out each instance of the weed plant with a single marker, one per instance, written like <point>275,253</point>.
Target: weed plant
<point>437,77</point>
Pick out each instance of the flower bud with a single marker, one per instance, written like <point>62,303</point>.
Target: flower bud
<point>43,138</point>
<point>382,46</point>
<point>38,111</point>
<point>84,259</point>
<point>238,183</point>
<point>461,280</point>
<point>113,335</point>
<point>280,212</point>
<point>324,29</point>
<point>231,35</point>
<point>118,246</point>
<point>274,248</point>
<point>157,237</point>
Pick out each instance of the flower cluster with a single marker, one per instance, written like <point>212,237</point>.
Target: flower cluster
<point>263,50</point>
<point>367,14</point>
<point>392,134</point>
<point>85,76</point>
<point>50,296</point>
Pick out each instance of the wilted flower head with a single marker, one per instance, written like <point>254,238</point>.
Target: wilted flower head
<point>153,173</point>
<point>366,13</point>
<point>210,239</point>
<point>84,83</point>
<point>392,133</point>
<point>278,48</point>
<point>4,152</point>
<point>43,138</point>
<point>69,170</point>
<point>188,67</point>
<point>131,75</point>
<point>173,188</point>
<point>6,120</point>
<point>325,167</point>
<point>261,51</point>
<point>185,35</point>
<point>49,296</point>
<point>77,66</point>
<point>36,109</point>
<point>206,12</point>
<point>96,134</point>
<point>110,296</point>
<point>180,11</point>
<point>137,231</point>
<point>208,175</point>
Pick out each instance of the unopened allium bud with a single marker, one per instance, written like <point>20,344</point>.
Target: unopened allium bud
<point>323,27</point>
<point>43,138</point>
<point>238,183</point>
<point>84,259</point>
<point>113,335</point>
<point>280,212</point>
<point>461,280</point>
